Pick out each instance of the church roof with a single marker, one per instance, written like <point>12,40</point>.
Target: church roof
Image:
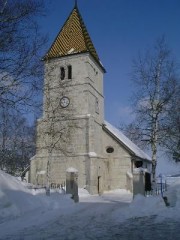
<point>73,38</point>
<point>126,142</point>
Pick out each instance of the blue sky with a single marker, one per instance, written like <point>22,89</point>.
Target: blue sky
<point>119,29</point>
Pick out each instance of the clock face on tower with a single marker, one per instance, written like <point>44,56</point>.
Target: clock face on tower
<point>64,102</point>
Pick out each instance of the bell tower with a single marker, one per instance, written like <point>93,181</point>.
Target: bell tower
<point>72,64</point>
<point>69,132</point>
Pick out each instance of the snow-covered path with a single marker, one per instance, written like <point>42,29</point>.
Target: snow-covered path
<point>90,221</point>
<point>92,218</point>
<point>85,220</point>
<point>31,215</point>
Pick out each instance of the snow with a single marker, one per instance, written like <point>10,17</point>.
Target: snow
<point>16,199</point>
<point>129,174</point>
<point>71,170</point>
<point>126,141</point>
<point>71,51</point>
<point>153,206</point>
<point>167,166</point>
<point>140,170</point>
<point>30,214</point>
<point>92,154</point>
<point>140,207</point>
<point>171,179</point>
<point>173,194</point>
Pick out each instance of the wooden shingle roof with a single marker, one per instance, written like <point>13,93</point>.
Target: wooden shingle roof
<point>73,38</point>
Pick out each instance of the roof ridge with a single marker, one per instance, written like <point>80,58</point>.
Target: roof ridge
<point>59,33</point>
<point>88,36</point>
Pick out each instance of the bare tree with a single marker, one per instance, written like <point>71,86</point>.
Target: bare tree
<point>21,45</point>
<point>56,127</point>
<point>16,141</point>
<point>155,77</point>
<point>171,140</point>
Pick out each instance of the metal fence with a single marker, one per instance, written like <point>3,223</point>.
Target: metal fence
<point>160,188</point>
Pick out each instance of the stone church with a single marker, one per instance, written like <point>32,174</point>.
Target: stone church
<point>72,132</point>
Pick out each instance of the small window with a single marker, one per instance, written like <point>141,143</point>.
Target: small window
<point>110,150</point>
<point>97,105</point>
<point>69,72</point>
<point>62,73</point>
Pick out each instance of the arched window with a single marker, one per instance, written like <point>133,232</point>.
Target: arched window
<point>62,73</point>
<point>69,72</point>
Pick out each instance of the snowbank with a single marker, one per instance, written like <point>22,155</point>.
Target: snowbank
<point>16,199</point>
<point>153,205</point>
<point>140,207</point>
<point>173,194</point>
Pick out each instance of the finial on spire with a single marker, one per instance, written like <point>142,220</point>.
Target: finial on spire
<point>76,3</point>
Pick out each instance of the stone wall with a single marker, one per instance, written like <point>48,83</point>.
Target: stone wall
<point>118,162</point>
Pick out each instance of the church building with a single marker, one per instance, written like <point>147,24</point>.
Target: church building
<point>72,132</point>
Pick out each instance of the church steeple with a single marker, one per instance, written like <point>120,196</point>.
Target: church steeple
<point>73,38</point>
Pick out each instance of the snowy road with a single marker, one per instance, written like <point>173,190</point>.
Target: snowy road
<point>30,215</point>
<point>72,228</point>
<point>90,219</point>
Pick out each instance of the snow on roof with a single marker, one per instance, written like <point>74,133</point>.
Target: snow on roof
<point>140,170</point>
<point>126,141</point>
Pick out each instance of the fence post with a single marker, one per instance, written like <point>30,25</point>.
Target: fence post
<point>161,185</point>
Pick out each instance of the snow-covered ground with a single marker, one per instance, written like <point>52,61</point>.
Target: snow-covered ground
<point>30,214</point>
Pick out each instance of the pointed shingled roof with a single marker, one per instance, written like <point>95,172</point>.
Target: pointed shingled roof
<point>73,38</point>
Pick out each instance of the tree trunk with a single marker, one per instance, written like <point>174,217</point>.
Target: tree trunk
<point>48,174</point>
<point>154,153</point>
